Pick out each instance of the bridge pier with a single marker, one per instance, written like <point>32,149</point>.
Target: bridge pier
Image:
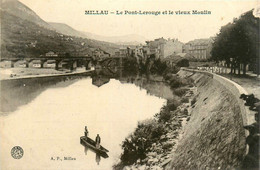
<point>72,65</point>
<point>78,63</point>
<point>57,62</point>
<point>42,63</point>
<point>27,63</point>
<point>87,64</point>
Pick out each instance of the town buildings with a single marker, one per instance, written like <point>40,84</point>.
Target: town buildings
<point>125,52</point>
<point>199,48</point>
<point>99,54</point>
<point>163,48</point>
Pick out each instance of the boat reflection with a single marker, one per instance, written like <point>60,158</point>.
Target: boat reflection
<point>98,155</point>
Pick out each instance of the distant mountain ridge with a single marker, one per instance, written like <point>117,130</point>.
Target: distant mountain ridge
<point>131,39</point>
<point>65,29</point>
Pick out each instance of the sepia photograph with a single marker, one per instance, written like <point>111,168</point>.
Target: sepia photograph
<point>129,84</point>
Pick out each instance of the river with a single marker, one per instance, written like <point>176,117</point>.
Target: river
<point>47,116</point>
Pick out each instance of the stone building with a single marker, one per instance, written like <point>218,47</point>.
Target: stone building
<point>99,53</point>
<point>172,46</point>
<point>163,48</point>
<point>199,48</point>
<point>125,52</point>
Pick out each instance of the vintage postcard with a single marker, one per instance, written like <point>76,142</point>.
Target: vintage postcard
<point>129,84</point>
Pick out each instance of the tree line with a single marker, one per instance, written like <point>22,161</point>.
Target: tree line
<point>237,44</point>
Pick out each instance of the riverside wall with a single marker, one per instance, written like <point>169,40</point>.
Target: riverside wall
<point>214,138</point>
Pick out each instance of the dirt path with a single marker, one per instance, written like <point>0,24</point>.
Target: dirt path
<point>250,83</point>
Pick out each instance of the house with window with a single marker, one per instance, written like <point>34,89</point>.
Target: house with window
<point>199,48</point>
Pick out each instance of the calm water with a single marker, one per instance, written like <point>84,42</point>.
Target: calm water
<point>46,117</point>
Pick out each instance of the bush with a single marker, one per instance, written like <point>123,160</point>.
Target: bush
<point>175,83</point>
<point>165,114</point>
<point>167,146</point>
<point>183,63</point>
<point>167,76</point>
<point>185,100</point>
<point>137,144</point>
<point>180,91</point>
<point>193,101</point>
<point>158,67</point>
<point>171,70</point>
<point>147,132</point>
<point>130,64</point>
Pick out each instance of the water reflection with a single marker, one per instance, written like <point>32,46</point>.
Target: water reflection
<point>99,80</point>
<point>18,92</point>
<point>15,93</point>
<point>98,156</point>
<point>153,84</point>
<point>47,116</point>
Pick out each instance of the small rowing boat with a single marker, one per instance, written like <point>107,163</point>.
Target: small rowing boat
<point>86,141</point>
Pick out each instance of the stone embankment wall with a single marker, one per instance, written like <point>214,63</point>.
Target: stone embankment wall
<point>214,138</point>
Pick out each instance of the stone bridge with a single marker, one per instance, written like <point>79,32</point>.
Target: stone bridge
<point>70,62</point>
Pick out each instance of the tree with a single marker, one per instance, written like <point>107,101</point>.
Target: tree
<point>247,32</point>
<point>237,40</point>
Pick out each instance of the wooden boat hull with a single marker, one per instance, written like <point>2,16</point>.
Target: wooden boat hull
<point>86,141</point>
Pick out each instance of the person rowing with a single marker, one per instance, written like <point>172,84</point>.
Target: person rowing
<point>98,140</point>
<point>86,131</point>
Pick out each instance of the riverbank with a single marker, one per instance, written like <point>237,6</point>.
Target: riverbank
<point>205,130</point>
<point>150,146</point>
<point>214,138</point>
<point>20,73</point>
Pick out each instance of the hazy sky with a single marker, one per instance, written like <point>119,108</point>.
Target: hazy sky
<point>183,27</point>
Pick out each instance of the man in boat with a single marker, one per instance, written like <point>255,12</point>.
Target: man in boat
<point>98,140</point>
<point>86,131</point>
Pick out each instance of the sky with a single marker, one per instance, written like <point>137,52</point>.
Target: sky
<point>183,27</point>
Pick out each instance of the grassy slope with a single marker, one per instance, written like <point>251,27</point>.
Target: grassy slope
<point>17,35</point>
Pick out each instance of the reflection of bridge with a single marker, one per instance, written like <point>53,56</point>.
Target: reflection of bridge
<point>111,62</point>
<point>103,76</point>
<point>71,62</point>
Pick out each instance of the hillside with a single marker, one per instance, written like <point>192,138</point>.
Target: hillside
<point>67,30</point>
<point>17,9</point>
<point>23,33</point>
<point>214,137</point>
